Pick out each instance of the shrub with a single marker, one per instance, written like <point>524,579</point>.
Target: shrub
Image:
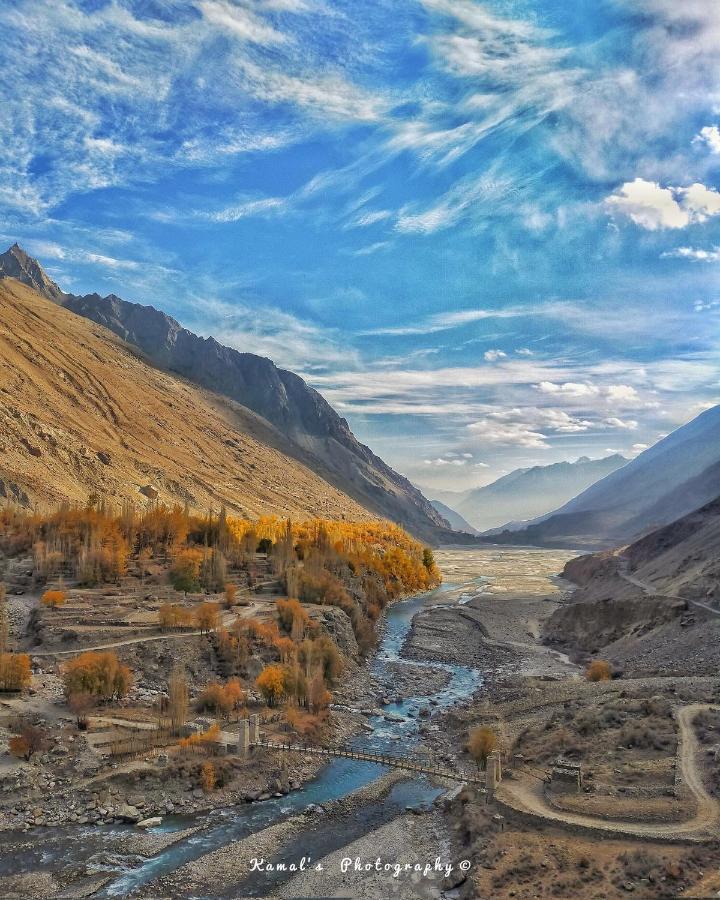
<point>202,740</point>
<point>185,571</point>
<point>230,594</point>
<point>598,670</point>
<point>80,705</point>
<point>28,741</point>
<point>221,699</point>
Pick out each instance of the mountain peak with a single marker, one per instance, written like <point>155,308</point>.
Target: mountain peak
<point>16,263</point>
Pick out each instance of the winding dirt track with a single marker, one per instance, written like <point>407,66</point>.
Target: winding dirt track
<point>529,797</point>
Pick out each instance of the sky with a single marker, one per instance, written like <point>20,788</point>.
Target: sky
<point>487,232</point>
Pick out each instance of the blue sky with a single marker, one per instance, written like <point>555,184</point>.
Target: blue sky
<point>488,232</point>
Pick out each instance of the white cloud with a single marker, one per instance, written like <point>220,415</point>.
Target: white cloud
<point>622,394</point>
<point>494,355</point>
<point>710,136</point>
<point>508,434</point>
<point>523,351</point>
<point>696,254</point>
<point>626,425</point>
<point>239,22</point>
<point>655,208</point>
<point>247,209</point>
<point>569,388</point>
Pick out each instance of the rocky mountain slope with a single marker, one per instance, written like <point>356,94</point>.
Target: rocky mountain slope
<point>81,413</point>
<point>662,484</point>
<point>653,603</point>
<point>528,493</point>
<point>312,431</point>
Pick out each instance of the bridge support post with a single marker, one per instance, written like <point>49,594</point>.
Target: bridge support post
<point>491,776</point>
<point>254,728</point>
<point>244,742</point>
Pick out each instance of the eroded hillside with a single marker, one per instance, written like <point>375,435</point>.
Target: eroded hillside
<point>81,413</point>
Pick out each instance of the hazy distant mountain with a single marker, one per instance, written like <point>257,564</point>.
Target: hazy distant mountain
<point>312,430</point>
<point>662,484</point>
<point>457,523</point>
<point>528,493</point>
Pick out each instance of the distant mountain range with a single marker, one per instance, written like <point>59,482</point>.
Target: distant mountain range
<point>671,479</point>
<point>299,420</point>
<point>528,493</point>
<point>457,523</point>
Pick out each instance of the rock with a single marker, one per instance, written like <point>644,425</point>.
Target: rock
<point>152,822</point>
<point>128,813</point>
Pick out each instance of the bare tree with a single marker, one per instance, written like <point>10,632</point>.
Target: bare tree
<point>177,699</point>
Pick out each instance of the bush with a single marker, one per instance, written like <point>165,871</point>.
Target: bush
<point>28,741</point>
<point>221,699</point>
<point>598,670</point>
<point>271,684</point>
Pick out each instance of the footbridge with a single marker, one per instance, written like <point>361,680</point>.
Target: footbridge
<point>392,760</point>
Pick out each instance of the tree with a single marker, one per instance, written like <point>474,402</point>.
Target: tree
<point>172,615</point>
<point>177,699</point>
<point>207,617</point>
<point>185,571</point>
<point>80,704</point>
<point>271,684</point>
<point>15,671</point>
<point>99,674</point>
<point>53,599</point>
<point>481,743</point>
<point>213,571</point>
<point>318,695</point>
<point>230,594</point>
<point>27,742</point>
<point>598,670</point>
<point>208,776</point>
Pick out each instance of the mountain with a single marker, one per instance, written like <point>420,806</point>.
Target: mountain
<point>309,429</point>
<point>662,484</point>
<point>652,607</point>
<point>80,413</point>
<point>527,493</point>
<point>457,523</point>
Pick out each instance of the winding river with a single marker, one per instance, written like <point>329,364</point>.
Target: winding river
<point>91,848</point>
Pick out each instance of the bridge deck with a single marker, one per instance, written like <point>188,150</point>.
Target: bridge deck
<point>383,759</point>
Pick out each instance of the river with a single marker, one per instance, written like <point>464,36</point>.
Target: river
<point>91,848</point>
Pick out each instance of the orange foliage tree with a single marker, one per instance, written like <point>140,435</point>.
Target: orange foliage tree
<point>15,671</point>
<point>53,599</point>
<point>100,674</point>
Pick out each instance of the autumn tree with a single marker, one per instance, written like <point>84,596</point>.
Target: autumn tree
<point>80,704</point>
<point>271,684</point>
<point>100,674</point>
<point>28,741</point>
<point>481,743</point>
<point>184,573</point>
<point>318,695</point>
<point>213,571</point>
<point>177,699</point>
<point>598,670</point>
<point>53,599</point>
<point>208,777</point>
<point>207,617</point>
<point>230,594</point>
<point>15,671</point>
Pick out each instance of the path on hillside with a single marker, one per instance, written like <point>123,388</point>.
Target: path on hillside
<point>228,619</point>
<point>530,797</point>
<point>649,589</point>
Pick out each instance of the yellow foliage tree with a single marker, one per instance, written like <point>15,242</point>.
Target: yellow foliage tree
<point>99,674</point>
<point>271,684</point>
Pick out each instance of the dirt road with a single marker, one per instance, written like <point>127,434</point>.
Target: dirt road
<point>529,797</point>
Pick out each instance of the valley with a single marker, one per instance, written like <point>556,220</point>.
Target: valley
<point>463,655</point>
